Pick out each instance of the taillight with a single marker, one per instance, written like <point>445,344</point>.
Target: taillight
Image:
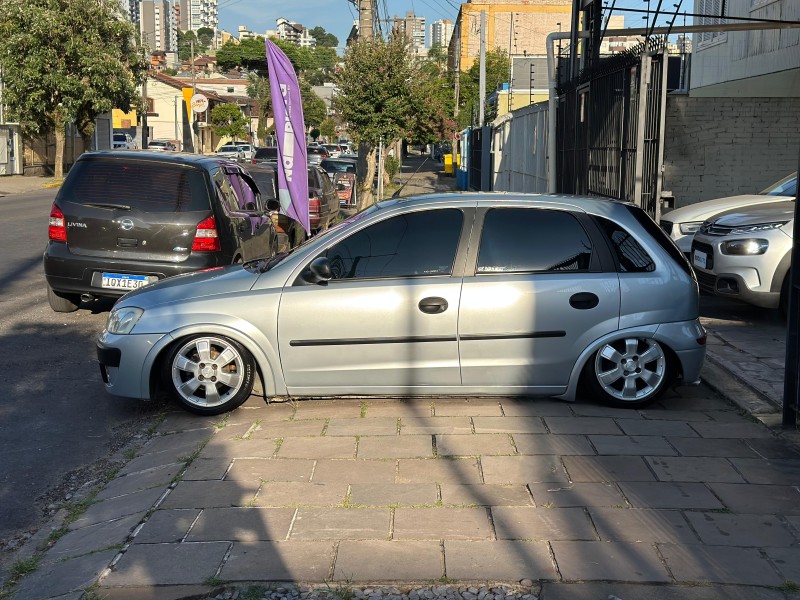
<point>254,161</point>
<point>314,204</point>
<point>206,238</point>
<point>57,231</point>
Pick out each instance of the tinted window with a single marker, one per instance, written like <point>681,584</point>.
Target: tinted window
<point>518,240</point>
<point>225,192</point>
<point>660,237</point>
<point>416,244</point>
<point>265,180</point>
<point>145,186</point>
<point>632,258</point>
<point>119,137</point>
<point>312,179</point>
<point>785,187</point>
<point>338,166</point>
<point>265,153</point>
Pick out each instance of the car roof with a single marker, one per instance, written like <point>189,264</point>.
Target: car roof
<point>178,158</point>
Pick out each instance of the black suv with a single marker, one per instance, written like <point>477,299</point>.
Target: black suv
<point>122,220</point>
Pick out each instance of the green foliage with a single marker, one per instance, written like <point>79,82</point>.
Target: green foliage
<point>170,72</point>
<point>497,71</point>
<point>228,120</point>
<point>374,98</point>
<point>323,38</point>
<point>314,109</point>
<point>205,35</point>
<point>249,54</point>
<point>391,165</point>
<point>67,61</point>
<point>328,128</point>
<point>314,133</point>
<point>185,39</point>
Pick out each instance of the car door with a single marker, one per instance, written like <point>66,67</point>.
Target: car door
<point>386,321</point>
<point>539,293</point>
<point>254,207</point>
<point>240,229</point>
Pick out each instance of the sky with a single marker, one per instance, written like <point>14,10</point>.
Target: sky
<point>337,16</point>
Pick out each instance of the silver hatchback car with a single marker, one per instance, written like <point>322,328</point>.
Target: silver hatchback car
<point>462,294</point>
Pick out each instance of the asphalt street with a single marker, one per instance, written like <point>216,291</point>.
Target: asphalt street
<point>55,417</point>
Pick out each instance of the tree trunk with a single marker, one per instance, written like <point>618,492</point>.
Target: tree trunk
<point>59,124</point>
<point>366,173</point>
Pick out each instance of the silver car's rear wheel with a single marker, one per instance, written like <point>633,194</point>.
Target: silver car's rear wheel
<point>630,372</point>
<point>210,374</point>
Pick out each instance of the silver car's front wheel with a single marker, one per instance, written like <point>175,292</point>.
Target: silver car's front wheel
<point>210,374</point>
<point>630,372</point>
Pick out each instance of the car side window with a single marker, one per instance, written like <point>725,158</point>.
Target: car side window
<point>532,240</point>
<point>412,245</point>
<point>243,189</point>
<point>632,258</point>
<point>225,192</point>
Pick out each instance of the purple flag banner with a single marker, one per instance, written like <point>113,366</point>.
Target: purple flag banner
<point>287,107</point>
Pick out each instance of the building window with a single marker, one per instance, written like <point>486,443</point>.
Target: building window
<point>712,8</point>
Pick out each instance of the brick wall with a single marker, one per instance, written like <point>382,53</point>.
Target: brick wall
<point>715,147</point>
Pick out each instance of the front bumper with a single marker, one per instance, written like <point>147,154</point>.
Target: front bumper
<point>122,360</point>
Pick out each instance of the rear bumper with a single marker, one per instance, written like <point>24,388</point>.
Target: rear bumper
<point>71,274</point>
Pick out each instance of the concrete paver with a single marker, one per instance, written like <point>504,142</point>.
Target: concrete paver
<point>685,468</point>
<point>604,469</point>
<point>646,494</point>
<point>529,523</point>
<point>615,561</point>
<point>437,523</point>
<point>719,564</point>
<point>498,561</point>
<point>485,494</point>
<point>740,530</point>
<point>372,560</point>
<point>210,494</point>
<point>341,524</point>
<point>241,524</point>
<point>642,525</point>
<point>576,494</point>
<point>279,561</point>
<point>167,564</point>
<point>398,446</point>
<point>393,494</point>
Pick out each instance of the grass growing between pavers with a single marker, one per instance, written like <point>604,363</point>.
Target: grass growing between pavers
<point>789,586</point>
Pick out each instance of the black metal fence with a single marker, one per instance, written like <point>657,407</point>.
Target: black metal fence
<point>610,127</point>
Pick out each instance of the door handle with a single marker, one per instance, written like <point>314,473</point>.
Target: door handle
<point>583,300</point>
<point>433,305</point>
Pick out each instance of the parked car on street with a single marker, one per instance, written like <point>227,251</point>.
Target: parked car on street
<point>290,232</point>
<point>343,175</point>
<point>315,154</point>
<point>123,141</point>
<point>265,155</point>
<point>747,254</point>
<point>682,223</point>
<point>248,151</point>
<point>160,146</point>
<point>323,201</point>
<point>451,294</point>
<point>123,220</point>
<point>230,152</point>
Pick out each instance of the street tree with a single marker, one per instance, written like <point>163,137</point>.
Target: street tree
<point>205,36</point>
<point>328,129</point>
<point>323,38</point>
<point>314,109</point>
<point>67,61</point>
<point>259,90</point>
<point>228,121</point>
<point>185,39</point>
<point>374,100</point>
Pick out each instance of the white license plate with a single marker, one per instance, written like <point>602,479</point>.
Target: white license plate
<point>118,281</point>
<point>699,259</point>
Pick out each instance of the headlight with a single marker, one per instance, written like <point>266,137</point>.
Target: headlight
<point>758,227</point>
<point>122,320</point>
<point>690,227</point>
<point>744,247</point>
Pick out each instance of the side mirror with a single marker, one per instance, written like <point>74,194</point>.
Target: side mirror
<point>318,271</point>
<point>273,204</point>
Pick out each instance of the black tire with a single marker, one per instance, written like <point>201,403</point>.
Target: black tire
<point>209,374</point>
<point>63,303</point>
<point>629,373</point>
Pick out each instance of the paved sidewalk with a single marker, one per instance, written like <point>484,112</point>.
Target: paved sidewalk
<point>20,184</point>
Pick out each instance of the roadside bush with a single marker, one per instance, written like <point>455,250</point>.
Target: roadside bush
<point>391,166</point>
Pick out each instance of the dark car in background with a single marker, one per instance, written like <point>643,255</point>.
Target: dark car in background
<point>122,220</point>
<point>267,154</point>
<point>342,172</point>
<point>323,201</point>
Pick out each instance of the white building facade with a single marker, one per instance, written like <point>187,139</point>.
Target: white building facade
<point>762,63</point>
<point>441,32</point>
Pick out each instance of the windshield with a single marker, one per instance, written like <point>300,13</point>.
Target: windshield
<point>119,137</point>
<point>785,187</point>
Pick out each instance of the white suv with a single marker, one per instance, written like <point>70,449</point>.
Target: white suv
<point>682,223</point>
<point>746,254</point>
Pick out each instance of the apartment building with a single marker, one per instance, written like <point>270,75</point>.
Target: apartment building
<point>413,27</point>
<point>196,14</point>
<point>158,25</point>
<point>441,32</point>
<point>292,32</point>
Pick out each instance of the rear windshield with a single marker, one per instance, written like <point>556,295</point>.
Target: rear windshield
<point>317,150</point>
<point>267,153</point>
<point>140,185</point>
<point>338,166</point>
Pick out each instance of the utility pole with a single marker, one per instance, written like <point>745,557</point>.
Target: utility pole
<point>193,115</point>
<point>482,77</point>
<point>365,19</point>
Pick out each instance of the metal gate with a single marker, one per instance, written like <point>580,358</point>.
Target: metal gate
<point>610,128</point>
